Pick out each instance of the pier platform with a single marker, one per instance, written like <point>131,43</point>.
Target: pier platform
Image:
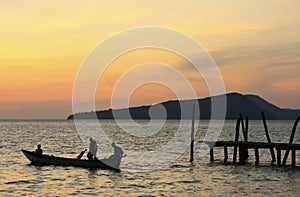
<point>243,148</point>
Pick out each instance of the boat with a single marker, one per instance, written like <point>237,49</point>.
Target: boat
<point>111,163</point>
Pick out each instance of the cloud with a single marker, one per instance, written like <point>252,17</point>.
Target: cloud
<point>288,85</point>
<point>265,55</point>
<point>284,63</point>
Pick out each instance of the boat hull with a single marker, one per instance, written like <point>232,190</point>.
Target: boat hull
<point>43,160</point>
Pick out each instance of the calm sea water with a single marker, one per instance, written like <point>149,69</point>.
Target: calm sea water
<point>178,178</point>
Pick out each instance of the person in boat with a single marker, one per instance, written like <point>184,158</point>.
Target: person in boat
<point>118,151</point>
<point>93,148</point>
<point>39,150</point>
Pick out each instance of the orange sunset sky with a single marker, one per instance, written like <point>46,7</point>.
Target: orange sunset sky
<point>256,45</point>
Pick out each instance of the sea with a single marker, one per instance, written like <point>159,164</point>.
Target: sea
<point>176,177</point>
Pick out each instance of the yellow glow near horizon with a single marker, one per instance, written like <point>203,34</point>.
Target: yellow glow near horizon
<point>42,44</point>
<point>135,58</point>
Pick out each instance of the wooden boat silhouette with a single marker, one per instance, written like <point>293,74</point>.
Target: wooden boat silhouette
<point>111,163</point>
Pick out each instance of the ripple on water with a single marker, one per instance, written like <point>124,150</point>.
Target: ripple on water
<point>17,178</point>
<point>19,182</point>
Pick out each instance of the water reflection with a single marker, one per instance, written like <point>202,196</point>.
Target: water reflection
<point>18,178</point>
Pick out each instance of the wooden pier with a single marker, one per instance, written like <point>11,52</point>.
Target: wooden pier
<point>256,146</point>
<point>242,147</point>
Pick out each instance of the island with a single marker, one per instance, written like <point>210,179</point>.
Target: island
<point>247,104</point>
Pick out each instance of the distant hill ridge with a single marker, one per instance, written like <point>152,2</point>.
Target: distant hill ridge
<point>248,105</point>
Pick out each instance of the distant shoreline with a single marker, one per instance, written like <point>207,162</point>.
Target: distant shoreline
<point>247,105</point>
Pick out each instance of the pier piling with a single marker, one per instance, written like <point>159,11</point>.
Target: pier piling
<point>293,157</point>
<point>225,154</point>
<point>192,136</point>
<point>290,142</point>
<point>243,152</point>
<point>256,156</point>
<point>244,146</point>
<point>211,152</point>
<point>278,157</point>
<point>268,137</point>
<point>236,141</point>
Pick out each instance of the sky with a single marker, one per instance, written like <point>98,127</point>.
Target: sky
<point>255,44</point>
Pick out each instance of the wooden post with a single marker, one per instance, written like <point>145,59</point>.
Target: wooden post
<point>293,157</point>
<point>225,154</point>
<point>290,142</point>
<point>246,127</point>
<point>243,127</point>
<point>211,152</point>
<point>192,136</point>
<point>268,137</point>
<point>278,157</point>
<point>192,152</point>
<point>256,156</point>
<point>242,154</point>
<point>244,151</point>
<point>246,132</point>
<point>236,141</point>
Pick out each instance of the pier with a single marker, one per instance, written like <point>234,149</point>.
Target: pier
<point>256,146</point>
<point>241,148</point>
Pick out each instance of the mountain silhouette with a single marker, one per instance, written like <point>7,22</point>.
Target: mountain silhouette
<point>248,105</point>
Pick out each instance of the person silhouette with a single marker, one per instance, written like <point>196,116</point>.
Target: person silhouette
<point>39,150</point>
<point>118,151</point>
<point>93,148</point>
